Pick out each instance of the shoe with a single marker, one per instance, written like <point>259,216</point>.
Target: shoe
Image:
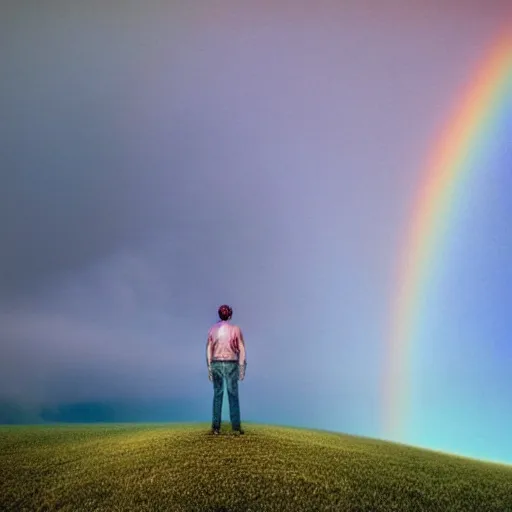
<point>239,432</point>
<point>215,431</point>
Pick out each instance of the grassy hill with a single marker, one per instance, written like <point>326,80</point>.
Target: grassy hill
<point>180,467</point>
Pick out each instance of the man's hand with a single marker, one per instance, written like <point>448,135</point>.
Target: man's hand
<point>210,374</point>
<point>241,370</point>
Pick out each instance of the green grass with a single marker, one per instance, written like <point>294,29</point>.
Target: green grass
<point>180,467</point>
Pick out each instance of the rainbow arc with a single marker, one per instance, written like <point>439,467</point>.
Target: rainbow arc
<point>447,167</point>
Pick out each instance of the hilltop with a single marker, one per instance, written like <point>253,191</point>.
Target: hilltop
<point>180,467</point>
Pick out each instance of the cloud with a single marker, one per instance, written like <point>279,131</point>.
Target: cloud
<point>160,159</point>
<point>53,355</point>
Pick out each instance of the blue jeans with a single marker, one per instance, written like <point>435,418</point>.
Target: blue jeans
<point>225,371</point>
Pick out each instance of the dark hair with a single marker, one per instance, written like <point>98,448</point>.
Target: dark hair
<point>225,312</point>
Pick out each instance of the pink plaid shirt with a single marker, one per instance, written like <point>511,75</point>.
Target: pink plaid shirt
<point>225,343</point>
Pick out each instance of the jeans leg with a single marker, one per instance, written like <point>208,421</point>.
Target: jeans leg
<point>218,392</point>
<point>232,387</point>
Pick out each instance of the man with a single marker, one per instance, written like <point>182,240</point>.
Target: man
<point>225,357</point>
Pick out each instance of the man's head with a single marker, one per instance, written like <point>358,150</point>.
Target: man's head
<point>225,312</point>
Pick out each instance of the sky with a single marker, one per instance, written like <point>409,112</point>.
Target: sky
<point>160,159</point>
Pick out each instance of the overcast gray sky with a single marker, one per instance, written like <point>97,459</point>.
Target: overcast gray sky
<point>159,159</point>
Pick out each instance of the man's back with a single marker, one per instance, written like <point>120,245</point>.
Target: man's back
<point>226,343</point>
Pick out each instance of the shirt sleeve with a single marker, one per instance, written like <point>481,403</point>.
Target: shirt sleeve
<point>242,360</point>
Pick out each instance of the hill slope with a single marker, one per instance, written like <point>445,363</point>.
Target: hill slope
<point>179,467</point>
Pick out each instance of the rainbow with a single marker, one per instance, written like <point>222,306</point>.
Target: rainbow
<point>446,169</point>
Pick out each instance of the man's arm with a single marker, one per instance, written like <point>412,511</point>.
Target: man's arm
<point>209,350</point>
<point>209,357</point>
<point>242,356</point>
